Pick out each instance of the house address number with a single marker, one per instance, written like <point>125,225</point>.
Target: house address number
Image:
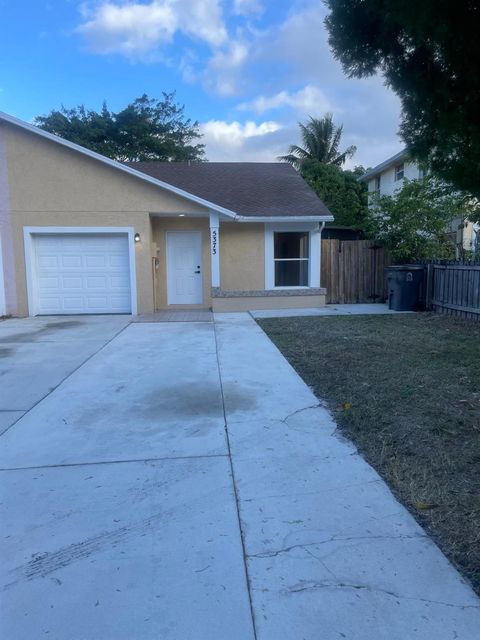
<point>214,242</point>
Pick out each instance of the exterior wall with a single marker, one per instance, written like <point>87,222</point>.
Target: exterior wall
<point>242,256</point>
<point>51,185</point>
<point>160,226</point>
<point>471,237</point>
<point>388,184</point>
<point>268,302</point>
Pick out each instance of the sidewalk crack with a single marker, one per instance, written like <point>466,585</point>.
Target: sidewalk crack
<point>318,405</point>
<point>235,492</point>
<point>314,586</point>
<point>336,538</point>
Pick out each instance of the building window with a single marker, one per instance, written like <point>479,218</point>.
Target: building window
<point>291,258</point>
<point>378,182</point>
<point>399,170</point>
<point>422,172</point>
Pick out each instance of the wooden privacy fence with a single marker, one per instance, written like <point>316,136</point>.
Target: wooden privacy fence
<point>353,271</point>
<point>454,288</point>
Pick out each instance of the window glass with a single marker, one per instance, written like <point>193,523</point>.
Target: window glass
<point>291,245</point>
<point>291,273</point>
<point>399,170</point>
<point>291,258</point>
<point>378,182</point>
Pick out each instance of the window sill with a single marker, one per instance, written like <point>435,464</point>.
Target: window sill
<point>285,288</point>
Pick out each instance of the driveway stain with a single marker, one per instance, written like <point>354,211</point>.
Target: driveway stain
<point>238,398</point>
<point>63,324</point>
<point>46,330</point>
<point>196,399</point>
<point>159,408</point>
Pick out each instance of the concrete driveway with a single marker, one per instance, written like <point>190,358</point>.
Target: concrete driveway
<point>179,481</point>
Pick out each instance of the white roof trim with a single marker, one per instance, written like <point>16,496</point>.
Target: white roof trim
<point>401,155</point>
<point>117,165</point>
<point>284,218</point>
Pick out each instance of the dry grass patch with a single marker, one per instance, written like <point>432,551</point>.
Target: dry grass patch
<point>406,390</point>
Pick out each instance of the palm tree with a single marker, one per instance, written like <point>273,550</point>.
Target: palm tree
<point>321,139</point>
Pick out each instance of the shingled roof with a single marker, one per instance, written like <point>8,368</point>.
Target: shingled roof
<point>265,189</point>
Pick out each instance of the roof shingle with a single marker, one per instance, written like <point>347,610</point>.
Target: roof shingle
<point>247,188</point>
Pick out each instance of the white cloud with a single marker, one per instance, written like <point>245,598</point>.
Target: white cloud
<point>223,73</point>
<point>234,133</point>
<point>247,7</point>
<point>136,30</point>
<point>236,141</point>
<point>307,101</point>
<point>301,41</point>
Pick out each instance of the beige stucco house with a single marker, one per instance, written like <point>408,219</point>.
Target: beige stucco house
<point>81,233</point>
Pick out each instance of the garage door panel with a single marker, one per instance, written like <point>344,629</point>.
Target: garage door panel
<point>48,262</point>
<point>115,261</point>
<point>82,273</point>
<point>48,282</point>
<point>70,304</point>
<point>96,282</point>
<point>72,282</point>
<point>70,262</point>
<point>119,302</point>
<point>117,282</point>
<point>94,303</point>
<point>95,262</point>
<point>50,305</point>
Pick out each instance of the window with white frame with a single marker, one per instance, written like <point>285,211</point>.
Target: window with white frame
<point>378,183</point>
<point>291,258</point>
<point>399,172</point>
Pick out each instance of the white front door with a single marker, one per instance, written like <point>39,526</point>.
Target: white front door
<point>184,267</point>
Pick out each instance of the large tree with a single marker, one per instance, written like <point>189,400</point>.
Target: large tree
<point>146,129</point>
<point>429,54</point>
<point>321,141</point>
<point>418,221</point>
<point>340,190</point>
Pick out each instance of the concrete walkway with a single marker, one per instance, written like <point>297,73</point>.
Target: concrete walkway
<point>184,483</point>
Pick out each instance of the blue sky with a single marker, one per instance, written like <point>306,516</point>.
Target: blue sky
<point>247,70</point>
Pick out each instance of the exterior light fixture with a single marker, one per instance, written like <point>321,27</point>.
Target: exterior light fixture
<point>181,215</point>
<point>136,237</point>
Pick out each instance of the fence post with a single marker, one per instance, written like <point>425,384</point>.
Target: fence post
<point>428,293</point>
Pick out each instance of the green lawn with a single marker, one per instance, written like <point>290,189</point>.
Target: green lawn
<point>406,390</point>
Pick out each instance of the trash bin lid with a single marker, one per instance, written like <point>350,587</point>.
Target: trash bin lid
<point>406,267</point>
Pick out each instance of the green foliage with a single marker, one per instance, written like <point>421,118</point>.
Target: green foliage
<point>147,129</point>
<point>339,190</point>
<point>321,141</point>
<point>413,223</point>
<point>429,55</point>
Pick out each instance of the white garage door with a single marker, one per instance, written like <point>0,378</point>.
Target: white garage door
<point>81,273</point>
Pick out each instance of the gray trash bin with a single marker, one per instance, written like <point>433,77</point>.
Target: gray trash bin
<point>406,287</point>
